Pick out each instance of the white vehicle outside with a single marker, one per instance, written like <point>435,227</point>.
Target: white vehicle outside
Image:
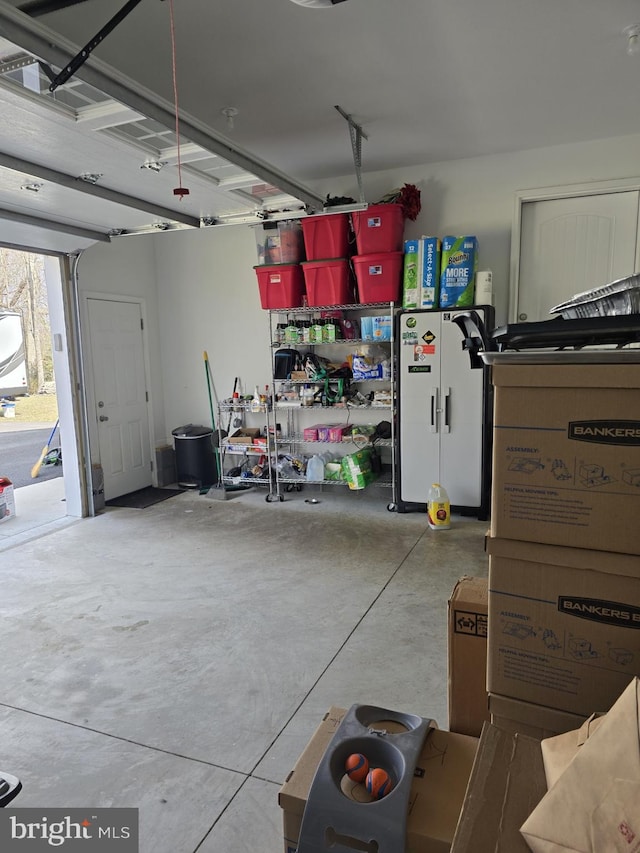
<point>13,362</point>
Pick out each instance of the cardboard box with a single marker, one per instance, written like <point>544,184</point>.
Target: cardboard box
<point>7,500</point>
<point>566,452</point>
<point>437,792</point>
<point>468,700</point>
<point>525,718</point>
<point>243,435</point>
<point>563,625</point>
<point>507,783</point>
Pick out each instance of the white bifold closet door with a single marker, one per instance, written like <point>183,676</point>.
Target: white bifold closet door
<point>569,245</point>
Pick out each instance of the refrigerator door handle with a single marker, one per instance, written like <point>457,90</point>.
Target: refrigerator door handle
<point>446,420</point>
<point>433,424</point>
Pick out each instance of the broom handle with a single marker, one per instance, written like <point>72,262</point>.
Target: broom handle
<point>207,370</point>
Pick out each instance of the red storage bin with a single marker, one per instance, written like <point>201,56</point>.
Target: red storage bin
<point>326,236</point>
<point>280,285</point>
<point>379,276</point>
<point>379,228</point>
<point>328,282</point>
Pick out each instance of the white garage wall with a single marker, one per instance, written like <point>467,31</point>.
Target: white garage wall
<point>476,196</point>
<point>209,301</point>
<point>201,288</point>
<point>127,268</point>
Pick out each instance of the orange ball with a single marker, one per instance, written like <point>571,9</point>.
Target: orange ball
<point>357,767</point>
<point>378,783</point>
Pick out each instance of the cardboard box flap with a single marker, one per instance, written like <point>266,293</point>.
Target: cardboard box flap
<point>572,558</point>
<point>532,716</point>
<point>434,807</point>
<point>506,784</point>
<point>470,589</point>
<point>295,790</point>
<point>601,376</point>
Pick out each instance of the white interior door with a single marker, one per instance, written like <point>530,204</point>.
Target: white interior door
<point>569,245</point>
<point>121,407</point>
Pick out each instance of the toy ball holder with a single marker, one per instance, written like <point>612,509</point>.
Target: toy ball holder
<point>333,822</point>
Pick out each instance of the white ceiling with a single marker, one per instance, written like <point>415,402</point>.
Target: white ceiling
<point>428,80</point>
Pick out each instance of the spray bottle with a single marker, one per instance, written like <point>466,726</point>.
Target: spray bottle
<point>438,508</point>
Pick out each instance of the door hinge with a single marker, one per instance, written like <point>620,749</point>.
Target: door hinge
<point>151,464</point>
<point>146,396</point>
<point>141,323</point>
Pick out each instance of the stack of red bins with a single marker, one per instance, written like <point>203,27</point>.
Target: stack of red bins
<point>280,250</point>
<point>327,271</point>
<point>379,234</point>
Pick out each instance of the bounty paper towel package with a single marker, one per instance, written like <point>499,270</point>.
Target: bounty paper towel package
<point>458,271</point>
<point>421,273</point>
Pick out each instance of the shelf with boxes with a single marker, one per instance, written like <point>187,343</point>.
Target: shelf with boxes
<point>332,258</point>
<point>245,452</point>
<point>334,359</point>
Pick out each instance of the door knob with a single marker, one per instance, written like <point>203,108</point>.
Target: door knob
<point>103,418</point>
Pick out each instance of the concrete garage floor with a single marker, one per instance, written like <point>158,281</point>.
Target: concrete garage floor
<point>40,509</point>
<point>177,659</point>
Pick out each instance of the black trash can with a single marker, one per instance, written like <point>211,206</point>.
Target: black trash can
<point>195,456</point>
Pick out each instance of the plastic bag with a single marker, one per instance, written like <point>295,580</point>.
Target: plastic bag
<point>357,468</point>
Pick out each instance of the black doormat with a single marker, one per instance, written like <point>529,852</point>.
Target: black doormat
<point>144,498</point>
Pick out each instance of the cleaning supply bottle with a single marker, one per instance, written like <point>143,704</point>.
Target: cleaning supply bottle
<point>256,405</point>
<point>438,508</point>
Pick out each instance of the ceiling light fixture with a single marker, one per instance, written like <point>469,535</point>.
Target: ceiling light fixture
<point>317,4</point>
<point>633,39</point>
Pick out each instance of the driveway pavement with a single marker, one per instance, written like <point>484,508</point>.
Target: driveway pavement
<point>20,448</point>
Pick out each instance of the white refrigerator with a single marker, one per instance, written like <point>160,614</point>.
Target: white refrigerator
<point>444,412</point>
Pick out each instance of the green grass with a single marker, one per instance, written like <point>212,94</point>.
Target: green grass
<point>39,408</point>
